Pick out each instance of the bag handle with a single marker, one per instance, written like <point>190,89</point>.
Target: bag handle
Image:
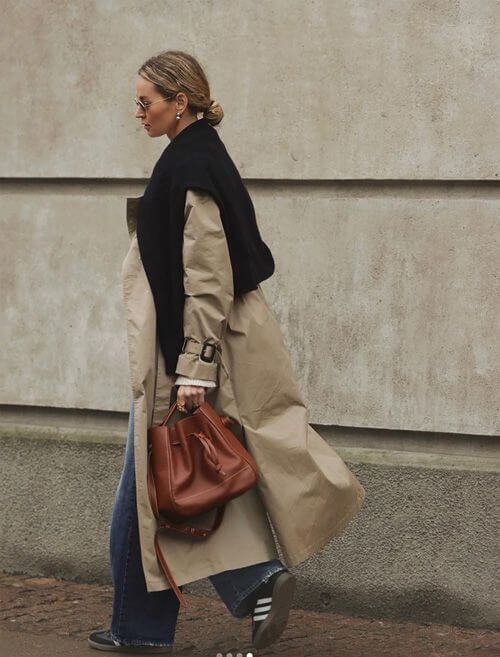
<point>169,414</point>
<point>225,419</point>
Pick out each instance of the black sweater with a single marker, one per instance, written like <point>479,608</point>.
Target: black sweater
<point>195,158</point>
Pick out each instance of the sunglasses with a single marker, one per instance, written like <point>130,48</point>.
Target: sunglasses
<point>146,106</point>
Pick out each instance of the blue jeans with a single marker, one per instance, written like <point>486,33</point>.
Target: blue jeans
<point>142,618</point>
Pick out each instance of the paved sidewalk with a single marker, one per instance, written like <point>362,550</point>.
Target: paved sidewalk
<point>42,617</point>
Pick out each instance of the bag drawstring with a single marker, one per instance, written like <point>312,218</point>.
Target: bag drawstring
<point>210,451</point>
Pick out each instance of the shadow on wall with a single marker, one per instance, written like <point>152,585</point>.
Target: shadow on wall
<point>419,605</point>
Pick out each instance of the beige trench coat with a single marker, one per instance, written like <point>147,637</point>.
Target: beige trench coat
<point>308,492</point>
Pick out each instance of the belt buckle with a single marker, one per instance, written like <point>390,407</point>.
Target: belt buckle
<point>203,355</point>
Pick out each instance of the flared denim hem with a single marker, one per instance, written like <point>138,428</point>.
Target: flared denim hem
<point>138,642</point>
<point>240,607</point>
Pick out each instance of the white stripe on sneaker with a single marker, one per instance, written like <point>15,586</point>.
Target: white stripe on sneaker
<point>258,618</point>
<point>262,600</point>
<point>262,608</point>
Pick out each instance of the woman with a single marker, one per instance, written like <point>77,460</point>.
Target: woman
<point>199,327</point>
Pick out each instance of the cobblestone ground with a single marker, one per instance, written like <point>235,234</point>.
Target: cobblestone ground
<point>42,617</point>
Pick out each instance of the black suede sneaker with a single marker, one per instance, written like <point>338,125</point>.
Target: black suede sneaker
<point>102,641</point>
<point>272,603</point>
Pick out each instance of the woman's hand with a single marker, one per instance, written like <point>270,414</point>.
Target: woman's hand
<point>192,396</point>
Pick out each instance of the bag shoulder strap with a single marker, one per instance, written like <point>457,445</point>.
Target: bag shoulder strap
<point>191,531</point>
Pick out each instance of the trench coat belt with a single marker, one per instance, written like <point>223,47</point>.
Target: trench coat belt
<point>207,351</point>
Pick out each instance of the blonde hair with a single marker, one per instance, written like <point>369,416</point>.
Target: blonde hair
<point>172,71</point>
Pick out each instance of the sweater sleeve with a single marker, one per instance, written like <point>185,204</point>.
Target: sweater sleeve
<point>208,285</point>
<point>186,381</point>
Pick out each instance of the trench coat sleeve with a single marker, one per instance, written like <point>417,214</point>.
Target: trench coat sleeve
<point>208,283</point>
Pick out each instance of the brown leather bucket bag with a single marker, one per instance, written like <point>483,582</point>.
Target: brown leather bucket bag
<point>194,466</point>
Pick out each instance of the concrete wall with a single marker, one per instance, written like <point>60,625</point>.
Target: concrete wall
<point>394,325</point>
<point>368,136</point>
<point>313,89</point>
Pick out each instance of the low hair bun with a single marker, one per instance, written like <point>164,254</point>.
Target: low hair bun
<point>213,113</point>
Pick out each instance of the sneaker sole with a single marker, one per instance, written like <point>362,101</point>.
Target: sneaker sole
<point>277,619</point>
<point>132,649</point>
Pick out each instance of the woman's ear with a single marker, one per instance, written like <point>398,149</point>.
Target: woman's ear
<point>181,101</point>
